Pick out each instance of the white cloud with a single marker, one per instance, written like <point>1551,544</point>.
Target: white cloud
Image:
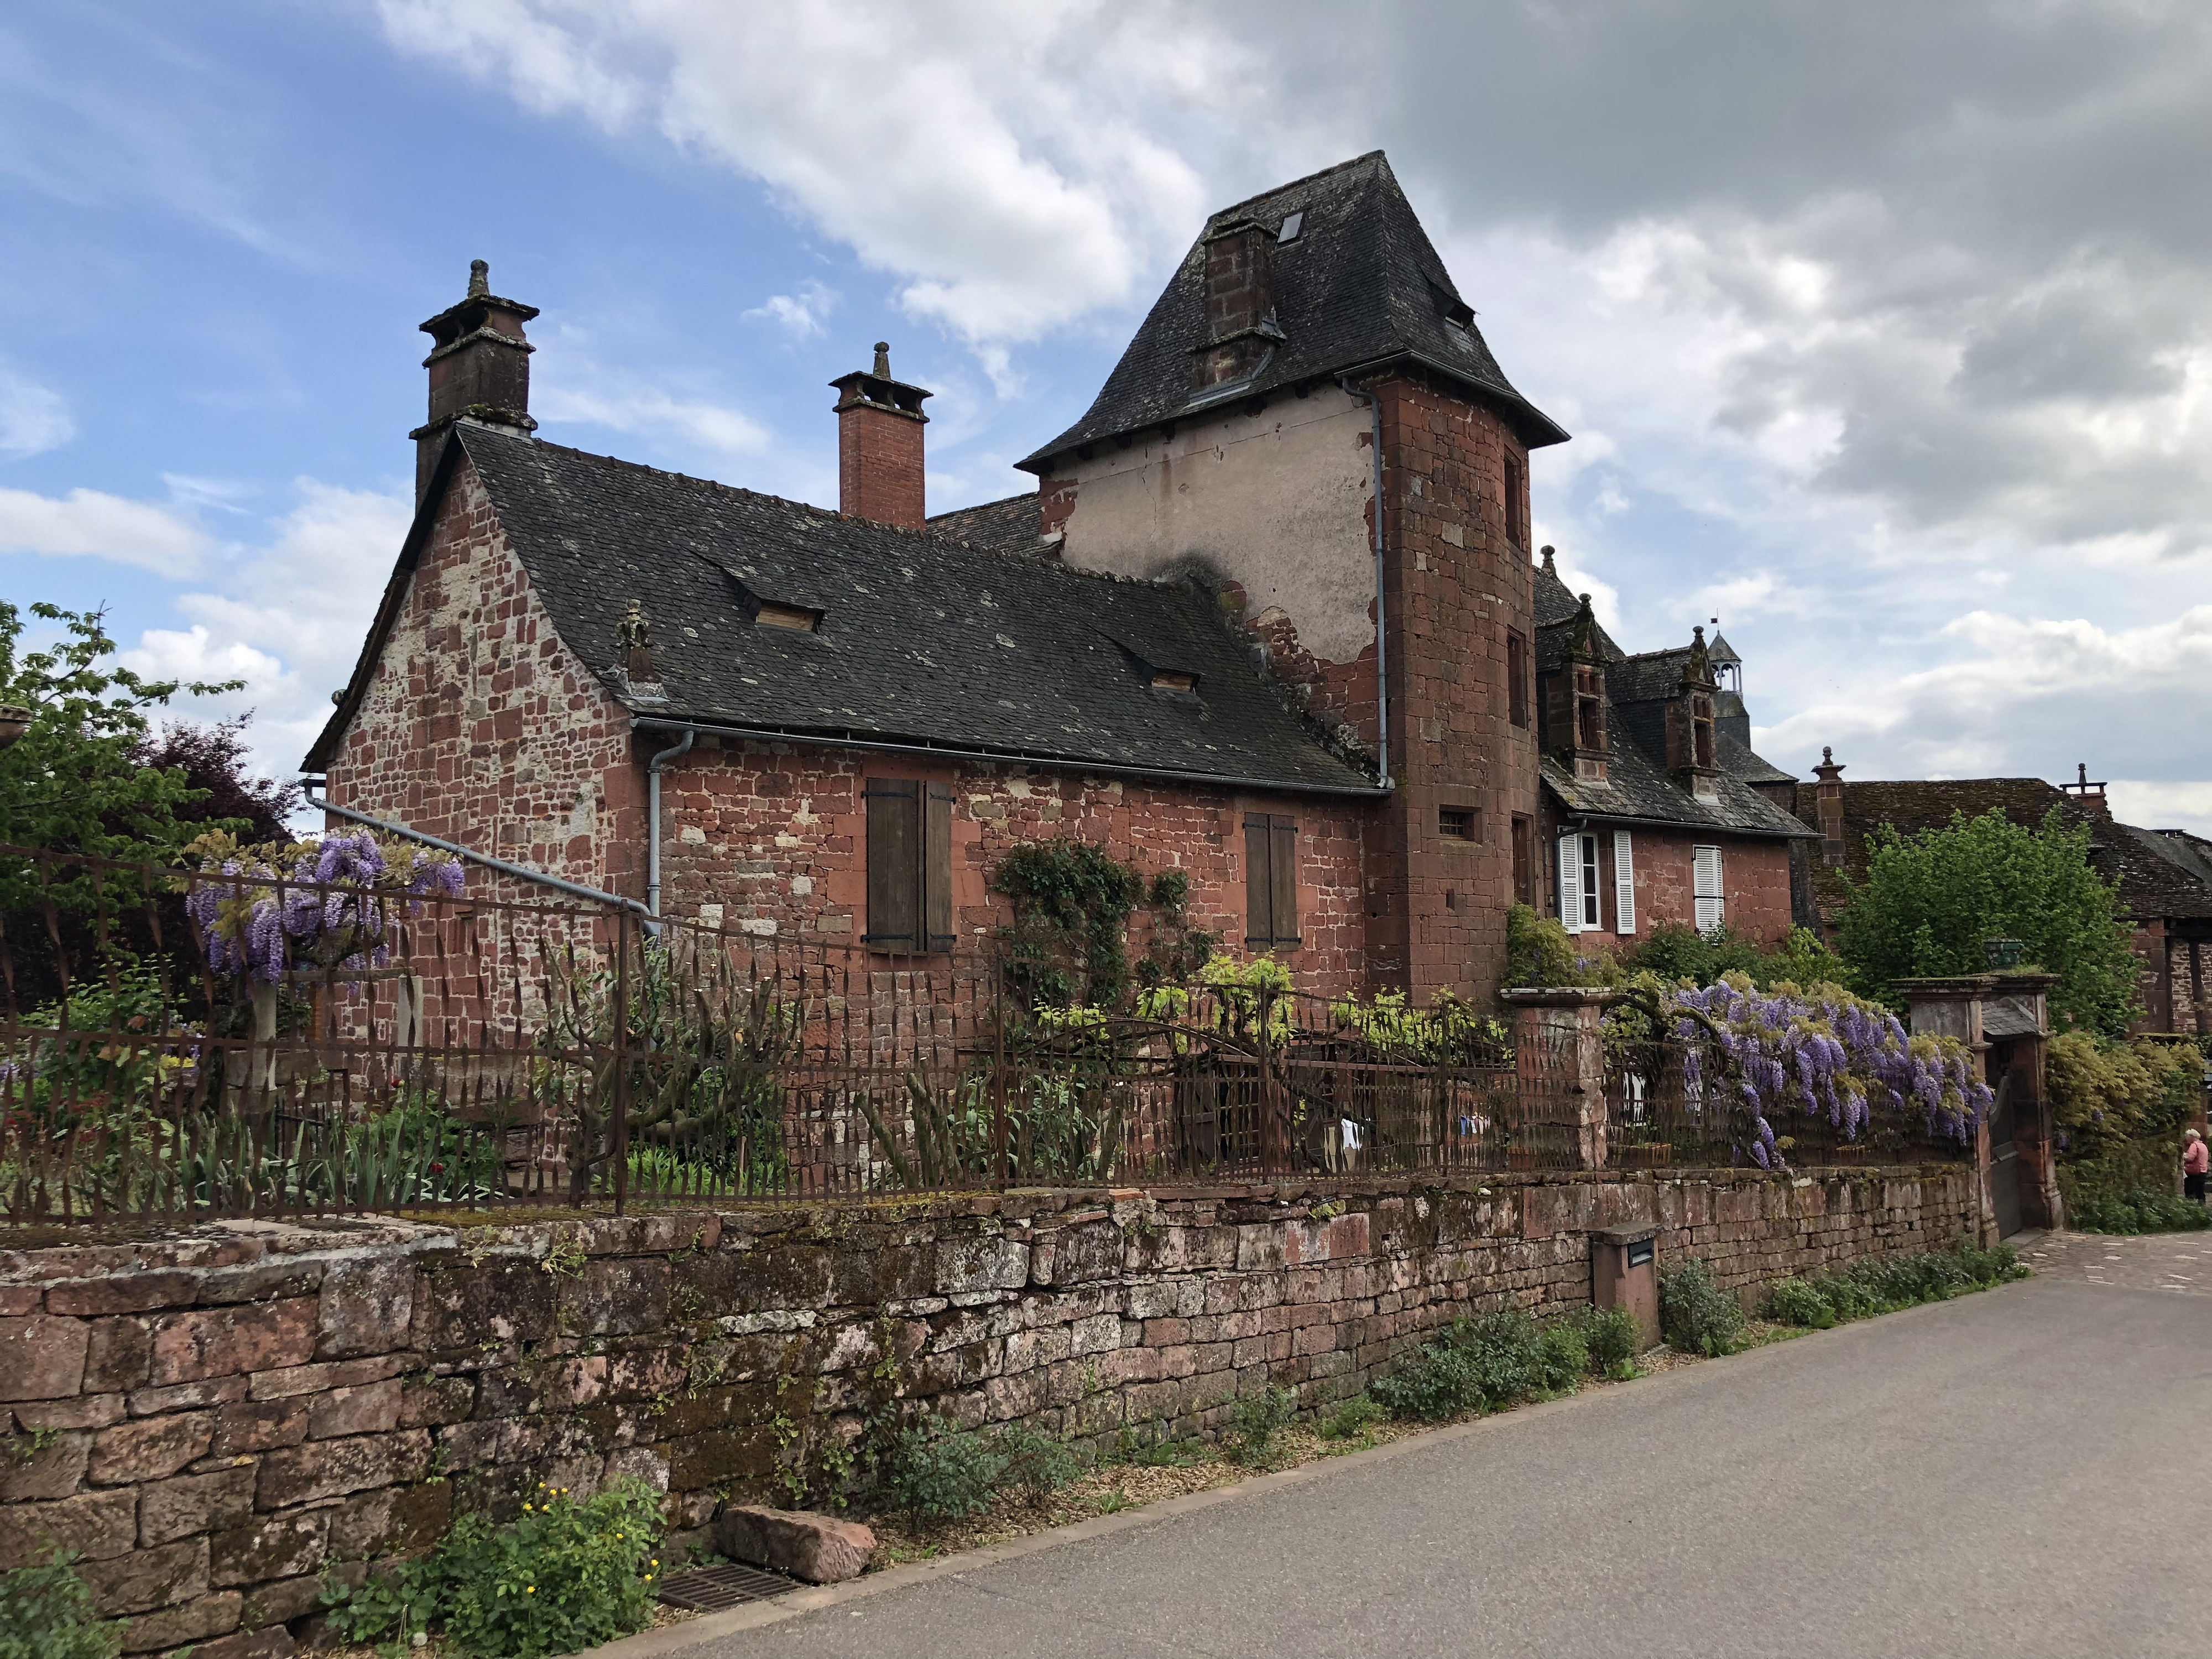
<point>702,425</point>
<point>1010,163</point>
<point>33,419</point>
<point>801,315</point>
<point>87,523</point>
<point>288,618</point>
<point>2157,806</point>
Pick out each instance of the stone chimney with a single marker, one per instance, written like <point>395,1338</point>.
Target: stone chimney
<point>1577,716</point>
<point>2090,793</point>
<point>1240,304</point>
<point>879,422</point>
<point>1828,806</point>
<point>479,370</point>
<point>1691,756</point>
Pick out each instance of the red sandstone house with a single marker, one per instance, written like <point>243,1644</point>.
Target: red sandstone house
<point>1361,733</point>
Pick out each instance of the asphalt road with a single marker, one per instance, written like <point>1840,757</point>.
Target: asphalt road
<point>2021,1472</point>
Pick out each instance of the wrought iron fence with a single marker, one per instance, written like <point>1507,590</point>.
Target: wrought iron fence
<point>183,1044</point>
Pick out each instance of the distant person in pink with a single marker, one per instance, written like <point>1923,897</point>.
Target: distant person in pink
<point>2195,1158</point>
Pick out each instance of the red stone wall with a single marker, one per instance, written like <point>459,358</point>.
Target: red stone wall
<point>1454,585</point>
<point>481,726</point>
<point>1754,881</point>
<point>207,1421</point>
<point>775,835</point>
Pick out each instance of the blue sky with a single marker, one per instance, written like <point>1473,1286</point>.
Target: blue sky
<point>1886,335</point>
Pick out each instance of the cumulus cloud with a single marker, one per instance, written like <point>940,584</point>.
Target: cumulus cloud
<point>801,315</point>
<point>287,618</point>
<point>33,419</point>
<point>90,524</point>
<point>702,425</point>
<point>1886,330</point>
<point>1009,164</point>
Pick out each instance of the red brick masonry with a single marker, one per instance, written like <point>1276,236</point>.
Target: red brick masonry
<point>206,1420</point>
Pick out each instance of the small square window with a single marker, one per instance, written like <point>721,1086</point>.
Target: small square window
<point>1461,824</point>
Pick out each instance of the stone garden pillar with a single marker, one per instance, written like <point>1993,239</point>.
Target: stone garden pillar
<point>1559,1058</point>
<point>1953,1008</point>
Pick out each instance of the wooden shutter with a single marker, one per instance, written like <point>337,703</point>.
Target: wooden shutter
<point>937,867</point>
<point>895,835</point>
<point>1571,882</point>
<point>1283,879</point>
<point>1624,883</point>
<point>1711,907</point>
<point>1259,888</point>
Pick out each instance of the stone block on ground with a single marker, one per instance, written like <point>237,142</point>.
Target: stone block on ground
<point>818,1548</point>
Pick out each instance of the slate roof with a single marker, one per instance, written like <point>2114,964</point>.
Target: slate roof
<point>1637,689</point>
<point>2159,874</point>
<point>921,642</point>
<point>1360,285</point>
<point>1009,526</point>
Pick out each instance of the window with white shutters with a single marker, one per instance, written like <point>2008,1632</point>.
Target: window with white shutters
<point>1592,893</point>
<point>1711,908</point>
<point>1570,883</point>
<point>1624,883</point>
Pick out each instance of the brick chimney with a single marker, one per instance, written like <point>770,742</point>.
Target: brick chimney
<point>2088,792</point>
<point>479,370</point>
<point>1828,806</point>
<point>1240,304</point>
<point>879,422</point>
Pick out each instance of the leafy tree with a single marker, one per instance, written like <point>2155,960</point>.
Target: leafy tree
<point>222,793</point>
<point>80,780</point>
<point>1932,900</point>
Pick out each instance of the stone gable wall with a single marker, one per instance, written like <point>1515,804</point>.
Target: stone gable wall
<point>208,1420</point>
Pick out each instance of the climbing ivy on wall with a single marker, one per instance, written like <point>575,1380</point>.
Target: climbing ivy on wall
<point>1068,943</point>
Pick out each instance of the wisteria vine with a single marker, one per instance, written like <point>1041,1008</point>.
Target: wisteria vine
<point>324,904</point>
<point>1826,1054</point>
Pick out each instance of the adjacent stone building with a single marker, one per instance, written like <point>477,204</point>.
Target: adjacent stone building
<point>2164,876</point>
<point>1270,618</point>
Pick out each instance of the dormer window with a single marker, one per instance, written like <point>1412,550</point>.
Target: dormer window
<point>1291,225</point>
<point>795,618</point>
<point>1590,707</point>
<point>1167,679</point>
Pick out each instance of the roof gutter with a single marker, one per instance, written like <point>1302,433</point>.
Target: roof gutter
<point>1382,630</point>
<point>997,757</point>
<point>520,872</point>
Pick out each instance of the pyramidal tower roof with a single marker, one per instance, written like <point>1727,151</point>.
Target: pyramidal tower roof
<point>1357,285</point>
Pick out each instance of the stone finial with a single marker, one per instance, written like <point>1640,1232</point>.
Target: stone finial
<point>633,632</point>
<point>883,369</point>
<point>1549,568</point>
<point>479,279</point>
<point>1827,755</point>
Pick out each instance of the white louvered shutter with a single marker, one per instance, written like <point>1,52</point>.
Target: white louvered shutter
<point>1571,882</point>
<point>1624,883</point>
<point>1711,909</point>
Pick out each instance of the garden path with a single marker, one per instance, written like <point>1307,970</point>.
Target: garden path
<point>2180,1262</point>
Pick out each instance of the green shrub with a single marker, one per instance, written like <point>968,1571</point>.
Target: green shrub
<point>1562,1355</point>
<point>1037,1464</point>
<point>1696,1313</point>
<point>1612,1339</point>
<point>45,1613</point>
<point>939,1473</point>
<point>1478,1364</point>
<point>2140,1212</point>
<point>1540,952</point>
<point>1350,1418</point>
<point>1438,1384</point>
<point>2106,1097</point>
<point>1257,1419</point>
<point>1877,1284</point>
<point>1794,1301</point>
<point>569,1574</point>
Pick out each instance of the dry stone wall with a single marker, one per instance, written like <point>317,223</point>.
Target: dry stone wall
<point>209,1420</point>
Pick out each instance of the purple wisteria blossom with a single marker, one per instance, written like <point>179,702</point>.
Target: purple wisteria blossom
<point>1825,1054</point>
<point>324,905</point>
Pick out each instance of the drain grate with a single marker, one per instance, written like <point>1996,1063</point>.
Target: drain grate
<point>705,1589</point>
